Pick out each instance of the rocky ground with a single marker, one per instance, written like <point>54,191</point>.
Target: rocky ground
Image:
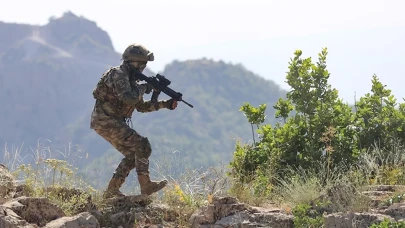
<point>24,211</point>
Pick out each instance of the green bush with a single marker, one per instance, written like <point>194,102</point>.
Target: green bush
<point>315,124</point>
<point>388,224</point>
<point>306,216</point>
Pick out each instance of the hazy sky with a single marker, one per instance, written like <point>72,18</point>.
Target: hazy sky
<point>262,35</point>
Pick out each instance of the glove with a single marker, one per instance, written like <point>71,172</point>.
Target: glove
<point>148,87</point>
<point>169,104</point>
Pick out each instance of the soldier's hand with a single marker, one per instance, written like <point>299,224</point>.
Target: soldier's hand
<point>172,104</point>
<point>148,88</point>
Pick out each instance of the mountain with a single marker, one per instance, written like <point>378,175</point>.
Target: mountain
<point>47,74</point>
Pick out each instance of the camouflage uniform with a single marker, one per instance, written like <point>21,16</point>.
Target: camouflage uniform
<point>117,95</point>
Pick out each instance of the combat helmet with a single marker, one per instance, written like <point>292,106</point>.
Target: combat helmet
<point>137,52</point>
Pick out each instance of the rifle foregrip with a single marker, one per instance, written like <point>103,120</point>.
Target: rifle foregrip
<point>155,96</point>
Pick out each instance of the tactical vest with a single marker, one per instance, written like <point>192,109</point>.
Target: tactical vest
<point>105,93</point>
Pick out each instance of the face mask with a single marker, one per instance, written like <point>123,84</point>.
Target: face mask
<point>139,65</point>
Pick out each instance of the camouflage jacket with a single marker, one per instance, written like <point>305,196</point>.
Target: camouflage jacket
<point>117,95</point>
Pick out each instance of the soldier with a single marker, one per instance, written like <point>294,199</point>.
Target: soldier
<point>118,94</point>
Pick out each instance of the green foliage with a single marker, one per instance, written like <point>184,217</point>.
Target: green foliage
<point>397,198</point>
<point>254,115</point>
<point>283,109</point>
<point>316,125</point>
<point>389,224</point>
<point>380,117</point>
<point>305,216</point>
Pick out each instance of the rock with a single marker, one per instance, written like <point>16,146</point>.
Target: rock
<point>141,200</point>
<point>129,210</point>
<point>349,220</point>
<point>384,188</point>
<point>228,212</point>
<point>84,219</point>
<point>161,212</point>
<point>396,210</point>
<point>234,220</point>
<point>248,219</point>
<point>39,211</point>
<point>377,197</point>
<point>272,219</point>
<point>9,219</point>
<point>204,215</point>
<point>224,200</point>
<point>377,193</point>
<point>220,207</point>
<point>125,219</point>
<point>255,209</point>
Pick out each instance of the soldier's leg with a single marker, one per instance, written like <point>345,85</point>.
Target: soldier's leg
<point>138,150</point>
<point>121,173</point>
<point>143,150</point>
<point>132,146</point>
<point>116,134</point>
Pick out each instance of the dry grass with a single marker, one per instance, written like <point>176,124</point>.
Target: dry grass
<point>42,175</point>
<point>188,188</point>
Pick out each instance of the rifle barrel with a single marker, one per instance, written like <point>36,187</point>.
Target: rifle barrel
<point>187,103</point>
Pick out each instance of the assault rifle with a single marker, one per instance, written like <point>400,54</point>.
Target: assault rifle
<point>161,83</point>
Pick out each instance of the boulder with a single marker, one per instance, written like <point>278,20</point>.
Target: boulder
<point>84,219</point>
<point>38,211</point>
<point>228,212</point>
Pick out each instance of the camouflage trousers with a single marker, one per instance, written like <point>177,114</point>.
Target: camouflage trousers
<point>127,141</point>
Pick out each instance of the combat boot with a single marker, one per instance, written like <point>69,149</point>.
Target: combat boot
<point>113,189</point>
<point>148,187</point>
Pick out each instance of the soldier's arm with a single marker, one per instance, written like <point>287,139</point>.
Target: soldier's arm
<point>148,106</point>
<point>124,91</point>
